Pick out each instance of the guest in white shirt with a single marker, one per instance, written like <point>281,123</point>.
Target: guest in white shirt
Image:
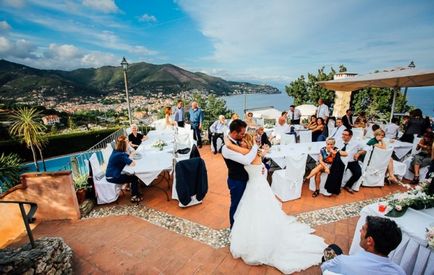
<point>322,110</point>
<point>392,129</point>
<point>353,148</point>
<point>378,237</point>
<point>337,132</point>
<point>218,129</point>
<point>281,127</point>
<point>294,115</point>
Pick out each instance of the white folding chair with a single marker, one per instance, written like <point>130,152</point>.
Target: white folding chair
<point>106,192</point>
<point>106,153</point>
<point>287,183</point>
<point>305,136</point>
<point>375,170</point>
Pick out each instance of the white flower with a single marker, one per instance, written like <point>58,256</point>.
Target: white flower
<point>398,207</point>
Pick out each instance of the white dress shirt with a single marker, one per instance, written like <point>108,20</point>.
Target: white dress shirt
<point>238,157</point>
<point>352,148</point>
<point>281,129</point>
<point>218,127</point>
<point>297,114</point>
<point>337,132</point>
<point>322,111</point>
<point>391,130</point>
<point>362,263</point>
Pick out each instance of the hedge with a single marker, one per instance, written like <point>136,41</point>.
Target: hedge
<point>59,144</point>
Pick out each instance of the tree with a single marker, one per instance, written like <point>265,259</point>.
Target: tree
<point>308,92</point>
<point>10,170</point>
<point>26,127</point>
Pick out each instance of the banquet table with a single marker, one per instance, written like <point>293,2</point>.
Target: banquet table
<point>278,152</point>
<point>412,254</point>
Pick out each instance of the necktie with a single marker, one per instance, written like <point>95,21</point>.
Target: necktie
<point>345,147</point>
<point>293,115</point>
<point>336,132</point>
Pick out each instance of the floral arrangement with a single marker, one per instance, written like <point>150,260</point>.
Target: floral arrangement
<point>159,144</point>
<point>418,197</point>
<point>268,126</point>
<point>430,237</point>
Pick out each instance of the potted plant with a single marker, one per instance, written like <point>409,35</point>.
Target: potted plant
<point>80,185</point>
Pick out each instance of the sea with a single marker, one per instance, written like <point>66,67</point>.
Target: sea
<point>422,98</point>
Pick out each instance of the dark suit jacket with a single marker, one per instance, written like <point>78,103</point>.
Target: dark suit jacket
<point>191,179</point>
<point>347,123</point>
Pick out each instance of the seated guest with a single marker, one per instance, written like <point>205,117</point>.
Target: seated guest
<point>117,161</point>
<point>361,121</point>
<point>281,126</point>
<point>423,158</point>
<point>294,115</point>
<point>312,123</point>
<point>353,148</point>
<point>370,132</point>
<point>392,129</point>
<point>378,237</point>
<point>347,119</point>
<point>326,158</point>
<point>234,116</point>
<point>377,141</point>
<point>135,138</point>
<point>319,133</point>
<point>337,132</point>
<point>262,138</point>
<point>218,129</point>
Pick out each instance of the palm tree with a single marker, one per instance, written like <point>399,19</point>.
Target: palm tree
<point>26,126</point>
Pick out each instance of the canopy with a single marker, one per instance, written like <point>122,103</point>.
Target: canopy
<point>397,78</point>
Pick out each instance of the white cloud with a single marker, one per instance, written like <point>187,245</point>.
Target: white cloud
<point>62,52</point>
<point>20,48</point>
<point>112,41</point>
<point>4,26</point>
<point>13,3</point>
<point>148,18</point>
<point>106,6</point>
<point>98,59</point>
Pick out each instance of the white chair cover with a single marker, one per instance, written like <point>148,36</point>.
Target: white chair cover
<point>375,171</point>
<point>106,153</point>
<point>287,183</point>
<point>322,182</point>
<point>219,143</point>
<point>358,133</point>
<point>414,151</point>
<point>305,136</point>
<point>106,192</point>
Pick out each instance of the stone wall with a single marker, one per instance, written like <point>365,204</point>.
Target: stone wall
<point>50,256</point>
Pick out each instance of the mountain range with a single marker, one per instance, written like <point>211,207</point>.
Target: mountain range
<point>20,81</point>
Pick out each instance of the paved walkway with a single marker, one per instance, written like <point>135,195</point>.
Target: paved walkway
<point>158,237</point>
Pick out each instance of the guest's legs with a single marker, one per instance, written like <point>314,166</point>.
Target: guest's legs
<point>236,188</point>
<point>214,142</point>
<point>315,171</point>
<point>128,178</point>
<point>317,180</point>
<point>197,136</point>
<point>356,172</point>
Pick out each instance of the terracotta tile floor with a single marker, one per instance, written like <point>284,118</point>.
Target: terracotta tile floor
<point>130,245</point>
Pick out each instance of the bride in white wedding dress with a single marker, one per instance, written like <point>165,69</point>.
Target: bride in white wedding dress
<point>262,233</point>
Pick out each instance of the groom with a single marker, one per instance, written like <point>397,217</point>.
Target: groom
<point>237,175</point>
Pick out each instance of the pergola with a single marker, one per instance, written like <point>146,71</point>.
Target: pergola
<point>395,78</point>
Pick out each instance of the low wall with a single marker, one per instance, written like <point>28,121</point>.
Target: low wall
<point>53,193</point>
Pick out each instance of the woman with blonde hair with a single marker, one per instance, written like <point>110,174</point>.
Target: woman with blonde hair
<point>262,233</point>
<point>117,161</point>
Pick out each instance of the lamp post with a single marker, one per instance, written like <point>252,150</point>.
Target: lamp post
<point>124,64</point>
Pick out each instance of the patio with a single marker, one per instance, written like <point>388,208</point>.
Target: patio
<point>158,237</point>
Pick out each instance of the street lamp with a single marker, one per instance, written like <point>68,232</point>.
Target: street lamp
<point>124,64</point>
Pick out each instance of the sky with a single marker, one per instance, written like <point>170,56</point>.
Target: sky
<point>261,41</point>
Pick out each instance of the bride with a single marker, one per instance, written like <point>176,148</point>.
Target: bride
<point>262,233</point>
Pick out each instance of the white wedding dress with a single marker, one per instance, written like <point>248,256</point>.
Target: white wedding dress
<point>263,234</point>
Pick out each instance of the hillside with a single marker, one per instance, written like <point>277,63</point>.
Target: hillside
<point>18,80</point>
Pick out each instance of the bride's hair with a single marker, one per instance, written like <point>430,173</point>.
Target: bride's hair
<point>248,140</point>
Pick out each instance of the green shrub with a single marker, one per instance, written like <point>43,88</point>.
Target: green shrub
<point>10,170</point>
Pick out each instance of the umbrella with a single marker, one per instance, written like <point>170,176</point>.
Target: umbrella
<point>266,112</point>
<point>396,78</point>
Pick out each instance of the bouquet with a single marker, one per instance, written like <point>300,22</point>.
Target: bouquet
<point>159,144</point>
<point>417,198</point>
<point>430,237</point>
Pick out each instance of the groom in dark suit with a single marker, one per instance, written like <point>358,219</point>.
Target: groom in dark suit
<point>237,175</point>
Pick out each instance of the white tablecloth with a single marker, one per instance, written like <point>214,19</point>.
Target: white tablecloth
<point>278,152</point>
<point>151,164</point>
<point>401,148</point>
<point>411,254</point>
